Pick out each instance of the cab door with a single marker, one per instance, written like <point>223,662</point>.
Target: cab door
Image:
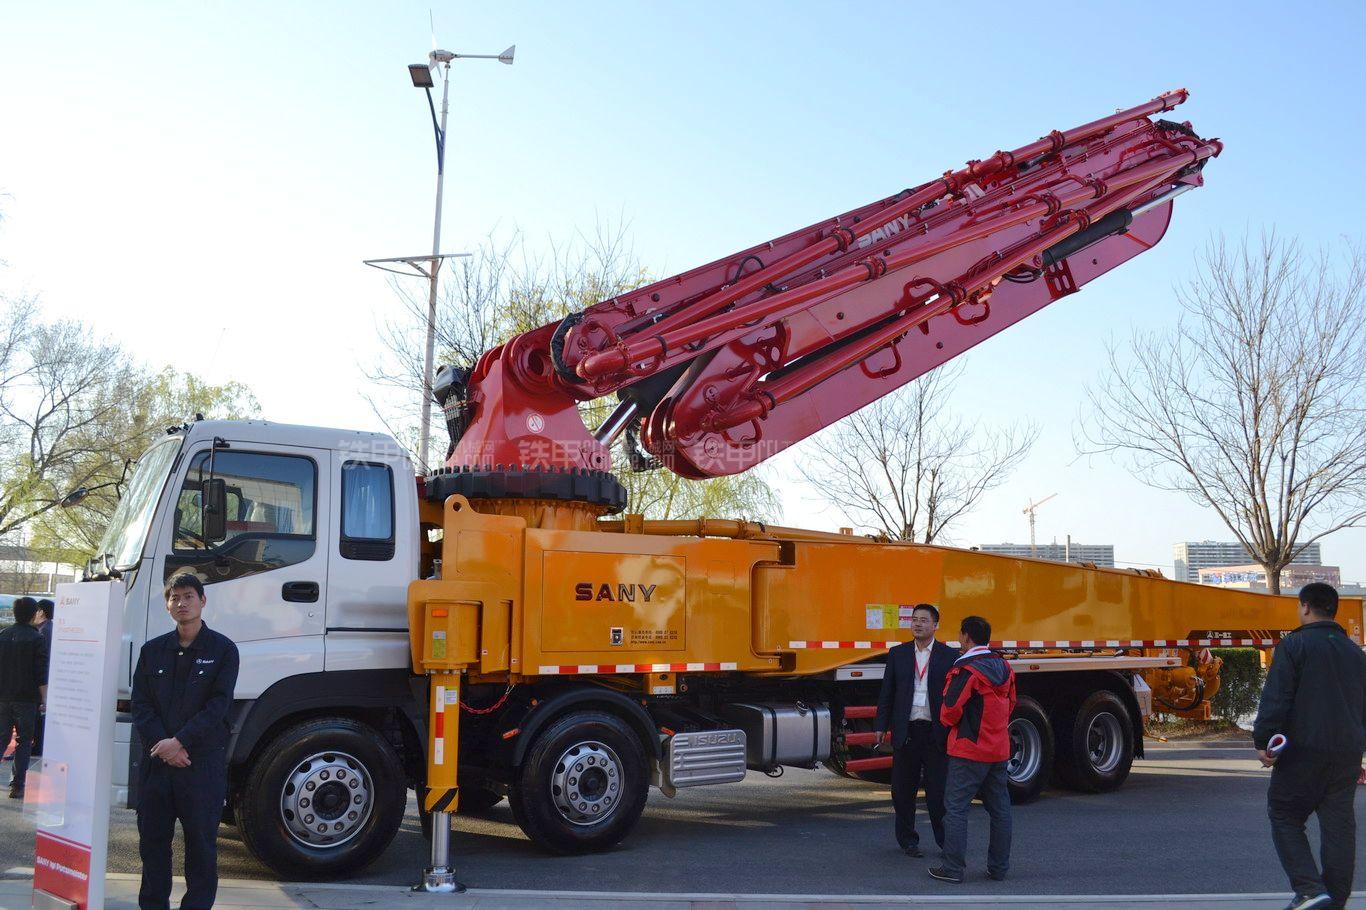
<point>265,578</point>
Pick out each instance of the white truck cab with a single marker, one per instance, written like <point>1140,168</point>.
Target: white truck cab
<point>307,571</point>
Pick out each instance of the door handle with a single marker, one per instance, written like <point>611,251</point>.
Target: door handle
<point>304,592</point>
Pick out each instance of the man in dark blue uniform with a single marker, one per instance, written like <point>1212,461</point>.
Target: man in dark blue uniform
<point>182,690</point>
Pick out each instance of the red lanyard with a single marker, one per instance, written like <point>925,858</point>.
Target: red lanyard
<point>919,670</point>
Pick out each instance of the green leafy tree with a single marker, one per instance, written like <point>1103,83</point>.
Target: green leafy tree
<point>74,413</point>
<point>155,402</point>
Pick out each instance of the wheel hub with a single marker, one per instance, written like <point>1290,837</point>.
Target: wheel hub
<point>1026,751</point>
<point>586,785</point>
<point>1104,742</point>
<point>326,799</point>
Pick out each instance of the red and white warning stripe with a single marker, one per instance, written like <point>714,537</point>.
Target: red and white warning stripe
<point>439,727</point>
<point>842,645</point>
<point>568,669</point>
<point>1012,644</point>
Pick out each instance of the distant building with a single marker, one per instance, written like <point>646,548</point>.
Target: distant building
<point>1191,556</point>
<point>1253,577</point>
<point>26,571</point>
<point>1100,554</point>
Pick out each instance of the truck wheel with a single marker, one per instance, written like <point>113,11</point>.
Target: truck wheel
<point>324,797</point>
<point>1031,751</point>
<point>1095,744</point>
<point>583,784</point>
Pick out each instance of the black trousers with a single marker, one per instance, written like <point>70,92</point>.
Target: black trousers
<point>920,758</point>
<point>39,726</point>
<point>194,796</point>
<point>18,716</point>
<point>1302,786</point>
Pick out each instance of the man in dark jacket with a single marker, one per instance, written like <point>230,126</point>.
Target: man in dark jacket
<point>182,690</point>
<point>43,621</point>
<point>1315,696</point>
<point>978,701</point>
<point>23,686</point>
<point>908,708</point>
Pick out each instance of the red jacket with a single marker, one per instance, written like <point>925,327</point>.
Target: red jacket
<point>979,697</point>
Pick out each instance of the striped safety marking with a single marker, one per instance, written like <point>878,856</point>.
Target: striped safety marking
<point>439,727</point>
<point>1086,643</point>
<point>568,669</point>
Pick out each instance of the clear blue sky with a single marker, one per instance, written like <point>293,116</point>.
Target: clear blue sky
<point>202,180</point>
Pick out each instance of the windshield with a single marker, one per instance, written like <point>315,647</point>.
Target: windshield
<point>128,528</point>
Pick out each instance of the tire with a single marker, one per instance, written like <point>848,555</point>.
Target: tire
<point>331,772</point>
<point>1095,744</point>
<point>1031,751</point>
<point>583,784</point>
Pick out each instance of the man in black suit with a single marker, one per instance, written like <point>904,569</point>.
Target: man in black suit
<point>908,711</point>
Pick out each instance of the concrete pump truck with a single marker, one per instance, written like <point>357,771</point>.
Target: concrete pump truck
<point>492,631</point>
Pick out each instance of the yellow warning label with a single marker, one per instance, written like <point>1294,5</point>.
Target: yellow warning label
<point>439,645</point>
<point>887,616</point>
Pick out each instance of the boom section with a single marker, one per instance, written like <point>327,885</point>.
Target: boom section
<point>728,364</point>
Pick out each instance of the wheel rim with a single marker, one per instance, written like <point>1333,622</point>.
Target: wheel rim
<point>1104,742</point>
<point>587,784</point>
<point>326,799</point>
<point>1026,751</point>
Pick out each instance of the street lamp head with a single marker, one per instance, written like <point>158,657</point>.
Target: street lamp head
<point>421,75</point>
<point>506,56</point>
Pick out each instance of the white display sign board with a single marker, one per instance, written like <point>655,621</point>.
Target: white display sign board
<point>71,800</point>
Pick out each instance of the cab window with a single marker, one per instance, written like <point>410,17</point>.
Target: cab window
<point>270,520</point>
<point>367,511</point>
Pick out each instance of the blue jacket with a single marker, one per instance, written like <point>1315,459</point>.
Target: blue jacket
<point>199,716</point>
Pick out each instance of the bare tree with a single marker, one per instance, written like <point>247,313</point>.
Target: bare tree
<point>503,290</point>
<point>907,466</point>
<point>1255,404</point>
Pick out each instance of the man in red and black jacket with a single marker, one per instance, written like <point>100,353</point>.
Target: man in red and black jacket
<point>979,697</point>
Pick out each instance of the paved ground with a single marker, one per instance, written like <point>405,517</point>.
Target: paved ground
<point>264,896</point>
<point>1190,820</point>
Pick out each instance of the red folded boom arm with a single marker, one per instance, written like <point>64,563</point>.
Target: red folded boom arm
<point>728,364</point>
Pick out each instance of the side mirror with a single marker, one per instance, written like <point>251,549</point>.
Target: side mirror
<point>215,499</point>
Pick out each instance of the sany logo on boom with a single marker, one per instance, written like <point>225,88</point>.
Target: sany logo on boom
<point>890,229</point>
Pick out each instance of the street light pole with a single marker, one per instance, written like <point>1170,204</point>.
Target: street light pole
<point>439,875</point>
<point>425,438</point>
<point>421,75</point>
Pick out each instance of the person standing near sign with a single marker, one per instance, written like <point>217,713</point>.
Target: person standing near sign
<point>1314,697</point>
<point>43,621</point>
<point>182,690</point>
<point>23,686</point>
<point>908,710</point>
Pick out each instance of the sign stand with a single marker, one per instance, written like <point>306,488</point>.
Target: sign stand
<point>71,802</point>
